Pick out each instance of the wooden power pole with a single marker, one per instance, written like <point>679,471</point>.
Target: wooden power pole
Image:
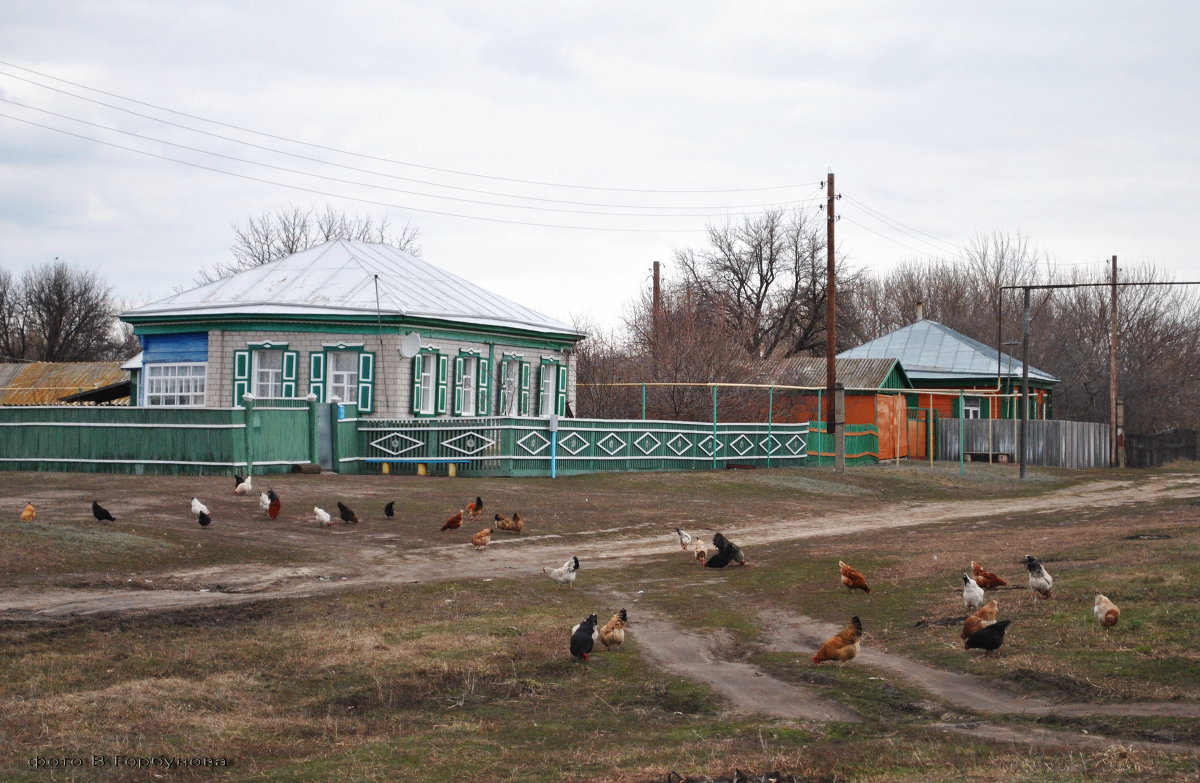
<point>832,424</point>
<point>1114,460</point>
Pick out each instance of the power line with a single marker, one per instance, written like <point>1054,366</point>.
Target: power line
<point>382,159</point>
<point>356,183</point>
<point>884,236</point>
<point>348,198</point>
<point>904,228</point>
<point>372,172</point>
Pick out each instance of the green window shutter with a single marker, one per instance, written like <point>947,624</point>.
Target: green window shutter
<point>523,407</point>
<point>291,359</point>
<point>366,382</point>
<point>443,366</point>
<point>316,375</point>
<point>483,372</point>
<point>560,403</point>
<point>458,386</point>
<point>241,375</point>
<point>418,367</point>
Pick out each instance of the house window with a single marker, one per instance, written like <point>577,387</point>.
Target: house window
<point>343,375</point>
<point>466,385</point>
<point>268,374</point>
<point>429,383</point>
<point>552,388</point>
<point>510,384</point>
<point>971,407</point>
<point>180,385</point>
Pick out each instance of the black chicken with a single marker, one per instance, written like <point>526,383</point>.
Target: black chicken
<point>101,513</point>
<point>347,514</point>
<point>583,637</point>
<point>987,639</point>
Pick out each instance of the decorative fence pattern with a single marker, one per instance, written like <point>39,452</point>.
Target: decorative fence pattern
<point>1065,444</point>
<point>862,444</point>
<point>528,447</point>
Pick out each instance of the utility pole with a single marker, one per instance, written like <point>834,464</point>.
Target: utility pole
<point>1025,319</point>
<point>655,319</point>
<point>1114,460</point>
<point>832,425</point>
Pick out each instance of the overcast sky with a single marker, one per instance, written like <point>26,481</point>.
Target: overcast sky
<point>1072,123</point>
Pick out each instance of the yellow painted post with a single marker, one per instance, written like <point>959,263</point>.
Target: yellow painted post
<point>452,469</point>
<point>387,468</point>
<point>422,469</point>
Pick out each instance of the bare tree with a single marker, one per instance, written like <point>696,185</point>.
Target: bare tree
<point>273,235</point>
<point>58,313</point>
<point>764,279</point>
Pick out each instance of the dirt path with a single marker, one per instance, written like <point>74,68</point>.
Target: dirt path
<point>363,563</point>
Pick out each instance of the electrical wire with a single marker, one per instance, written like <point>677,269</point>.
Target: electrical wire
<point>387,160</point>
<point>348,198</point>
<point>884,236</point>
<point>906,229</point>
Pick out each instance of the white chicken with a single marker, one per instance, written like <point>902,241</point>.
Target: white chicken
<point>1040,581</point>
<point>973,595</point>
<point>322,515</point>
<point>245,486</point>
<point>685,539</point>
<point>700,548</point>
<point>198,508</point>
<point>564,575</point>
<point>264,502</point>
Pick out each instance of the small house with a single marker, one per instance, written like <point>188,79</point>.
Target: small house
<point>354,322</point>
<point>962,376</point>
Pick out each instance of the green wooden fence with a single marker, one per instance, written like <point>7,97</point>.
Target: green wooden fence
<point>185,441</point>
<point>528,447</point>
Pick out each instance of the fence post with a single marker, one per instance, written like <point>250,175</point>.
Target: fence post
<point>770,418</point>
<point>314,455</point>
<point>819,409</point>
<point>962,443</point>
<point>714,434</point>
<point>643,402</point>
<point>553,425</point>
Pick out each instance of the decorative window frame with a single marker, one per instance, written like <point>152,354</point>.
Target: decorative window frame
<point>319,374</point>
<point>441,365</point>
<point>554,371</point>
<point>481,392</point>
<point>149,381</point>
<point>244,369</point>
<point>519,404</point>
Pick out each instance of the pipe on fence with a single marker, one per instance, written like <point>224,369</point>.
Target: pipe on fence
<point>714,435</point>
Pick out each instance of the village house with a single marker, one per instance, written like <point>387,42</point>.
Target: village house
<point>353,322</point>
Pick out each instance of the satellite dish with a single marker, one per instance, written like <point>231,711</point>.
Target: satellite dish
<point>410,345</point>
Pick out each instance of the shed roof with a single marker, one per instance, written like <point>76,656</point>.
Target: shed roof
<point>931,351</point>
<point>810,371</point>
<point>46,383</point>
<point>338,278</point>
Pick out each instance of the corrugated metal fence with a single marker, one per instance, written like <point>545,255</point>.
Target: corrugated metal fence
<point>1064,444</point>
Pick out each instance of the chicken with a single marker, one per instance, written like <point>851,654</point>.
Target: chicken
<point>274,504</point>
<point>700,549</point>
<point>719,560</point>
<point>243,485</point>
<point>264,502</point>
<point>198,507</point>
<point>454,522</point>
<point>583,637</point>
<point>101,513</point>
<point>723,544</point>
<point>985,578</point>
<point>565,574</point>
<point>685,539</point>
<point>973,596</point>
<point>852,579</point>
<point>204,519</point>
<point>322,516</point>
<point>988,638</point>
<point>612,634</point>
<point>514,525</point>
<point>983,617</point>
<point>389,510</point>
<point>842,647</point>
<point>1040,581</point>
<point>347,514</point>
<point>1107,613</point>
<point>482,538</point>
<point>29,513</point>
<point>475,506</point>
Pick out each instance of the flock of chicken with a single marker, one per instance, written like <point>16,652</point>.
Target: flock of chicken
<point>981,630</point>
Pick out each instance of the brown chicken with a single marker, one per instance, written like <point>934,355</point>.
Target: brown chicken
<point>612,634</point>
<point>1107,613</point>
<point>29,513</point>
<point>853,579</point>
<point>982,618</point>
<point>475,506</point>
<point>454,522</point>
<point>514,525</point>
<point>985,578</point>
<point>482,538</point>
<point>842,647</point>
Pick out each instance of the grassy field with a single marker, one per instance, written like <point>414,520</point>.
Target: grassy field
<point>469,679</point>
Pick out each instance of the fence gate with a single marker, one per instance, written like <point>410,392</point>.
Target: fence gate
<point>325,413</point>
